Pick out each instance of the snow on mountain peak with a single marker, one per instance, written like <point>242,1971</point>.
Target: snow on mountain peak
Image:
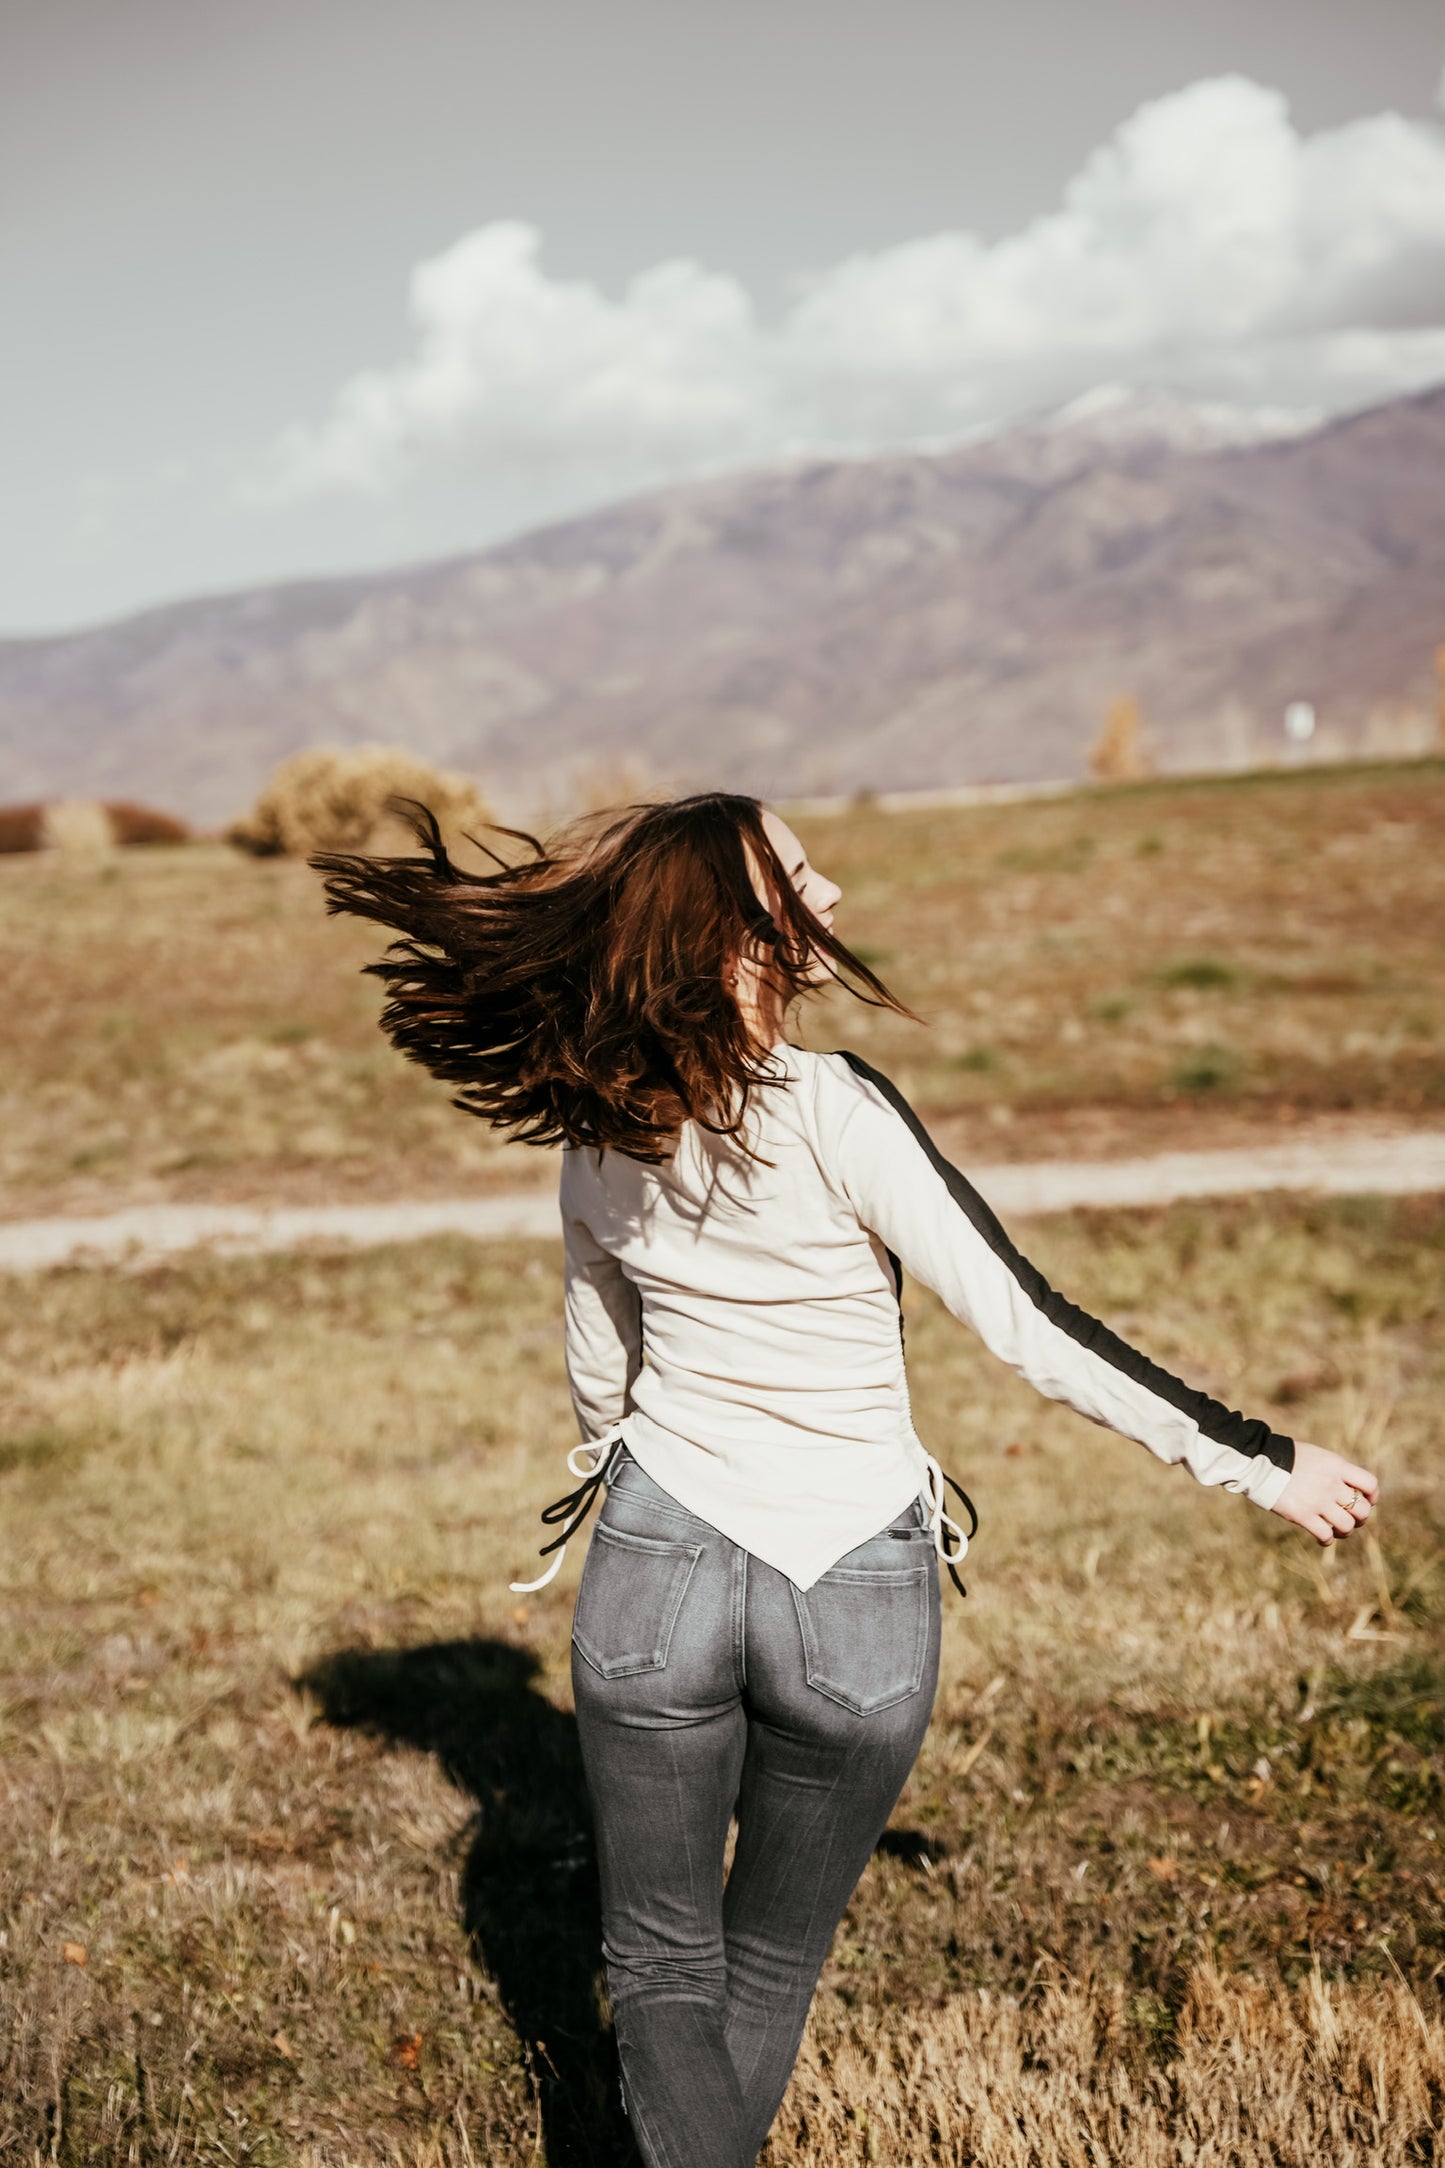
<point>1114,413</point>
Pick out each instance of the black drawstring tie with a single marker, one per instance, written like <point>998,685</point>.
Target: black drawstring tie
<point>593,1464</point>
<point>596,1458</point>
<point>972,1511</point>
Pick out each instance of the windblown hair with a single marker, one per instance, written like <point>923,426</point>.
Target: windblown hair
<point>580,995</point>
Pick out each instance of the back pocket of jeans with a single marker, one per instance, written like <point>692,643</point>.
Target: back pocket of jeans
<point>865,1635</point>
<point>627,1606</point>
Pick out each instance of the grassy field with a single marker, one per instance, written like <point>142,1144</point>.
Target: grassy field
<point>1129,964</point>
<point>296,1866</point>
<point>295,1854</point>
<point>1121,969</point>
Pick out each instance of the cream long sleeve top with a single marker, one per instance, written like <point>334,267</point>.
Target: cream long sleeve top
<point>736,1320</point>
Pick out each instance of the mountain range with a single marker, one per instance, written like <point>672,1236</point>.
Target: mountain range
<point>830,625</point>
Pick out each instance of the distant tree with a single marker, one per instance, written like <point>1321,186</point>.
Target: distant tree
<point>1118,753</point>
<point>333,798</point>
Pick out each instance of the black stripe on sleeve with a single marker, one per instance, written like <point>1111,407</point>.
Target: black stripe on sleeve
<point>1221,1425</point>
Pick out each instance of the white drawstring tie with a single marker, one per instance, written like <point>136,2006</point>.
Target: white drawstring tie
<point>940,1525</point>
<point>587,1462</point>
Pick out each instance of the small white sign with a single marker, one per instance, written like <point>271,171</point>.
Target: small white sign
<point>1299,721</point>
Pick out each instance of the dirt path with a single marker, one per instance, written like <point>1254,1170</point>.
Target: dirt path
<point>1393,1165</point>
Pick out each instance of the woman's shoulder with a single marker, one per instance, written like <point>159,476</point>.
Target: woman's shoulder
<point>841,1082</point>
<point>841,1070</point>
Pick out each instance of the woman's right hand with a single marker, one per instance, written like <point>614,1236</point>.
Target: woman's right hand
<point>1318,1497</point>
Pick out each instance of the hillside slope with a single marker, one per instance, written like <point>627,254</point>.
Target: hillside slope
<point>892,622</point>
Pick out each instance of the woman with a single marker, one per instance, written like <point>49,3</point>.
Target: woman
<point>756,1631</point>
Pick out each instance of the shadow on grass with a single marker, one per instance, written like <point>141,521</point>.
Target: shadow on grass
<point>529,1886</point>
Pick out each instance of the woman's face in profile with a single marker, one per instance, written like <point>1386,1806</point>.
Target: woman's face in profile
<point>815,889</point>
<point>820,895</point>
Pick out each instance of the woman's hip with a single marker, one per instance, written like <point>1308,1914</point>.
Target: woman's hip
<point>675,1621</point>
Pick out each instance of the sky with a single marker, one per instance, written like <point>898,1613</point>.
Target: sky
<point>301,286</point>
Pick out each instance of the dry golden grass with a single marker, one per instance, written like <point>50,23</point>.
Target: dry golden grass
<point>1265,944</point>
<point>1123,968</point>
<point>189,1024</point>
<point>296,1864</point>
<point>295,1861</point>
<point>1255,2079</point>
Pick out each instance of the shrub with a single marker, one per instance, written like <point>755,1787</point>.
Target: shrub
<point>71,824</point>
<point>143,824</point>
<point>77,824</point>
<point>330,798</point>
<point>22,827</point>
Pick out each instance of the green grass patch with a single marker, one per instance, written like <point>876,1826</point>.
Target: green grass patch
<point>1198,974</point>
<point>1208,1069</point>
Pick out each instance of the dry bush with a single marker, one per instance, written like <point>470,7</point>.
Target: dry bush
<point>86,824</point>
<point>130,823</point>
<point>330,798</point>
<point>22,827</point>
<point>81,825</point>
<point>599,786</point>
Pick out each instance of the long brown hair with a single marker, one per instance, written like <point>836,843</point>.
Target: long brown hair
<point>580,995</point>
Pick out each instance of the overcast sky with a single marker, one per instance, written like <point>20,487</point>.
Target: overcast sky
<point>303,285</point>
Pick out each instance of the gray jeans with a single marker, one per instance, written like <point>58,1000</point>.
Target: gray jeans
<point>707,1685</point>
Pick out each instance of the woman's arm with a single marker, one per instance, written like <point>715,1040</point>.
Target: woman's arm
<point>604,1324</point>
<point>933,1219</point>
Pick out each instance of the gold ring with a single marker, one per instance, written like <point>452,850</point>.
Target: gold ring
<point>1355,1495</point>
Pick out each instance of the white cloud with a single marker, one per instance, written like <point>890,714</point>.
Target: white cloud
<point>513,367</point>
<point>1207,246</point>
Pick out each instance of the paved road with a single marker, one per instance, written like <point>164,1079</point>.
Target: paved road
<point>1393,1165</point>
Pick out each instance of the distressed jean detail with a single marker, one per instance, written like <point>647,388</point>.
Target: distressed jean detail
<point>708,1686</point>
